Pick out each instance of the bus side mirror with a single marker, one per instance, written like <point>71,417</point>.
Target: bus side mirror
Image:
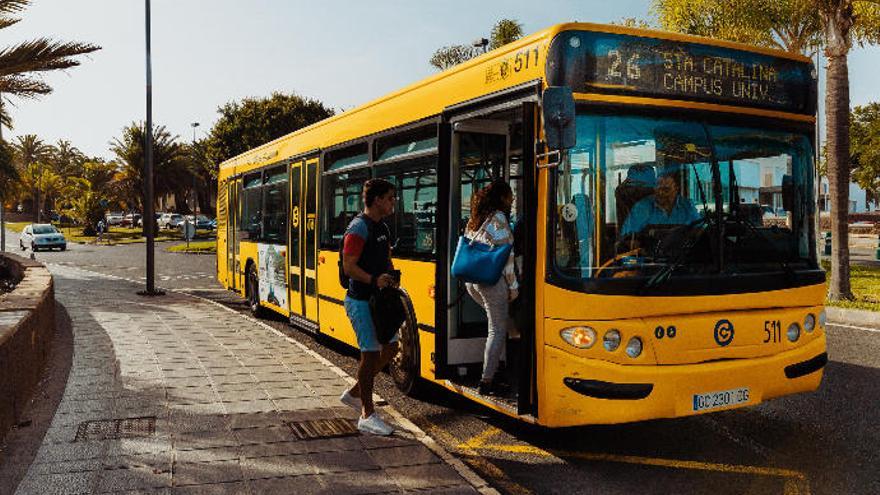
<point>787,193</point>
<point>558,113</point>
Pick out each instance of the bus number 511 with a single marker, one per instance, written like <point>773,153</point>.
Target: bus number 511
<point>772,331</point>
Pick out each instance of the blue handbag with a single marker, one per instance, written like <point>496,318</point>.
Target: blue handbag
<point>477,262</point>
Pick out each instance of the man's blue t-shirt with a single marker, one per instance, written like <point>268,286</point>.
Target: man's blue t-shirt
<point>647,212</point>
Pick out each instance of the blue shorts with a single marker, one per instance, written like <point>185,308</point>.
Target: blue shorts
<point>362,321</point>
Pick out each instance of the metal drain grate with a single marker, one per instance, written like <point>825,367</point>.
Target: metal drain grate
<point>114,429</point>
<point>315,429</point>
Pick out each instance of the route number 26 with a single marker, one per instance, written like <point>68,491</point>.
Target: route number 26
<point>632,65</point>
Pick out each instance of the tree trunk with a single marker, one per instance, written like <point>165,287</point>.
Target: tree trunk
<point>837,141</point>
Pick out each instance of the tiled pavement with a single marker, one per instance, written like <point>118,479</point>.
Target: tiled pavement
<point>222,390</point>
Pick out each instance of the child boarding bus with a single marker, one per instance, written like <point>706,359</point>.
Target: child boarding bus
<point>664,208</point>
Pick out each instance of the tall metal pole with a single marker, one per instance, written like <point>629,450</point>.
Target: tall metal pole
<point>2,196</point>
<point>149,217</point>
<point>195,193</point>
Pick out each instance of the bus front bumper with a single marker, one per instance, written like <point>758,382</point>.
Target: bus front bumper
<point>583,391</point>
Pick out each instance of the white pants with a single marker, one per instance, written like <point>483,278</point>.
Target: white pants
<point>493,299</point>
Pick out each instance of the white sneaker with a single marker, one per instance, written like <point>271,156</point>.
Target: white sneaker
<point>374,425</point>
<point>351,401</point>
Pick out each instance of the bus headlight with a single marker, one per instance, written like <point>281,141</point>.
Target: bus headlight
<point>611,340</point>
<point>794,332</point>
<point>822,318</point>
<point>580,337</point>
<point>634,347</point>
<point>809,323</point>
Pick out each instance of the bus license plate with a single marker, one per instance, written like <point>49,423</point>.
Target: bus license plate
<point>714,400</point>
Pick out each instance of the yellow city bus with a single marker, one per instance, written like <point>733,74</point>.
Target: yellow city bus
<point>664,215</point>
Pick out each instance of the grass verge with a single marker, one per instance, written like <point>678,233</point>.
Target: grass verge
<point>196,247</point>
<point>865,283</point>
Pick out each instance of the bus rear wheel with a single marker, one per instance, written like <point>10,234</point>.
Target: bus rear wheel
<point>404,367</point>
<point>252,291</point>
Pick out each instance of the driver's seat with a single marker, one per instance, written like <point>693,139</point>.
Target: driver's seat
<point>639,183</point>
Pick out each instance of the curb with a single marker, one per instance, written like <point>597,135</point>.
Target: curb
<point>469,475</point>
<point>853,317</point>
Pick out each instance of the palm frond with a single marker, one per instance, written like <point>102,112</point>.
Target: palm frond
<point>42,54</point>
<point>13,6</point>
<point>6,21</point>
<point>25,87</point>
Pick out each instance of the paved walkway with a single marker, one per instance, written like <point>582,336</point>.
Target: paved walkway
<point>210,401</point>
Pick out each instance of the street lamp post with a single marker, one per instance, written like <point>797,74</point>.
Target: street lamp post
<point>195,194</point>
<point>149,216</point>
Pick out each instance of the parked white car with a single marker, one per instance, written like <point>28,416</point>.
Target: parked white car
<point>170,220</point>
<point>42,236</point>
<point>114,218</point>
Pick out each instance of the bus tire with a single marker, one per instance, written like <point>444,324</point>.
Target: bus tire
<point>252,291</point>
<point>404,368</point>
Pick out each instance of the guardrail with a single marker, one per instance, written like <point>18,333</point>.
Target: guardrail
<point>27,325</point>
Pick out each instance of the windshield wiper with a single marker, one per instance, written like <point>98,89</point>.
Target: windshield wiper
<point>697,229</point>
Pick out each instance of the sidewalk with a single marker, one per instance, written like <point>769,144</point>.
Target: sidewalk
<point>853,317</point>
<point>178,395</point>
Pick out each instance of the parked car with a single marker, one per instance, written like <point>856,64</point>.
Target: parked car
<point>41,236</point>
<point>114,218</point>
<point>170,220</point>
<point>140,222</point>
<point>131,220</point>
<point>202,222</point>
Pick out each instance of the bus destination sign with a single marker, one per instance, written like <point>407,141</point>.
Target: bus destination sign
<point>631,65</point>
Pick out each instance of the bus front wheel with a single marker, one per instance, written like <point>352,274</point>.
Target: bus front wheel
<point>404,367</point>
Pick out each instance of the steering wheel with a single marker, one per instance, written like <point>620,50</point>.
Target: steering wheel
<point>616,259</point>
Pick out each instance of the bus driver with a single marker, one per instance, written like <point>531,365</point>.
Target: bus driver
<point>665,207</point>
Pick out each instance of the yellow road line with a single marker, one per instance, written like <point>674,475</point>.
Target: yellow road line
<point>796,482</point>
<point>478,461</point>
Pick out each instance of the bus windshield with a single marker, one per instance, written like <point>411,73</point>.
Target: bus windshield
<point>655,198</point>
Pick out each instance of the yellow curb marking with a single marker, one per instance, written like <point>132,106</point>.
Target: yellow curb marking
<point>474,458</point>
<point>796,482</point>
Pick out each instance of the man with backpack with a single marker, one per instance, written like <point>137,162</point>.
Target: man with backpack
<point>366,263</point>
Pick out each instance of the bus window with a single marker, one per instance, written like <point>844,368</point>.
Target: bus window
<point>275,201</point>
<point>414,223</point>
<point>252,207</point>
<point>343,193</point>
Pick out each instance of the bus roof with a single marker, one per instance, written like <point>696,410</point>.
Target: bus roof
<point>428,97</point>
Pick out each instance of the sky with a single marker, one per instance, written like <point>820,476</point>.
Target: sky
<point>206,53</point>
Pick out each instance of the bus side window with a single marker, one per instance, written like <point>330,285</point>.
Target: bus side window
<point>252,207</point>
<point>343,202</point>
<point>414,223</point>
<point>275,198</point>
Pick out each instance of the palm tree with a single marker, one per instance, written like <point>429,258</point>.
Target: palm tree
<point>169,162</point>
<point>67,159</point>
<point>31,154</point>
<point>21,64</point>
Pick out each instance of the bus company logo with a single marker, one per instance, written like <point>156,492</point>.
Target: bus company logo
<point>723,332</point>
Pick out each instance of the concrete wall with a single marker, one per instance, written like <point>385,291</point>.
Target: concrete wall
<point>27,324</point>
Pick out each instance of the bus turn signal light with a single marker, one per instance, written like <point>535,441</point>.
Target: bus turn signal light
<point>580,337</point>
